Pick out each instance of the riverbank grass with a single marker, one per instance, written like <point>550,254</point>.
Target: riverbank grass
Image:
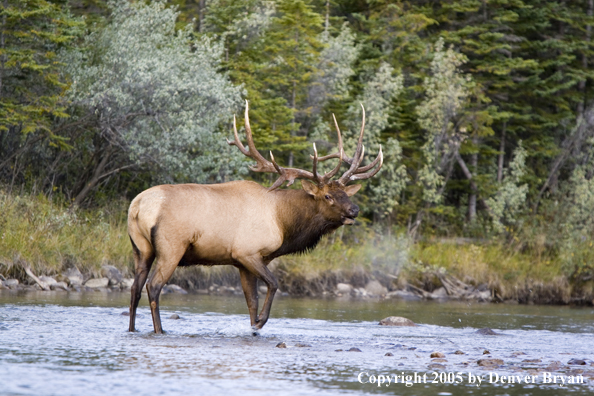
<point>48,236</point>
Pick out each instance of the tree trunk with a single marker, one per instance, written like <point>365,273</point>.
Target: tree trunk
<point>2,45</point>
<point>201,7</point>
<point>501,154</point>
<point>473,193</point>
<point>94,179</point>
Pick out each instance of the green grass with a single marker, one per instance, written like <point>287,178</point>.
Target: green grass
<point>49,237</point>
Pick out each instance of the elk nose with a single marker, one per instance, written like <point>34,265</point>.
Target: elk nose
<point>353,211</point>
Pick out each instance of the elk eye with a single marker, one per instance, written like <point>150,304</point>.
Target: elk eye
<point>328,197</point>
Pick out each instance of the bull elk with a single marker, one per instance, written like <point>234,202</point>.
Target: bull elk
<point>241,223</point>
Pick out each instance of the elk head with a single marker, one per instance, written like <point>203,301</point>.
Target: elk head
<point>331,196</point>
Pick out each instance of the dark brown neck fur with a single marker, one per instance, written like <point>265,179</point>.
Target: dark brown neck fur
<point>302,223</point>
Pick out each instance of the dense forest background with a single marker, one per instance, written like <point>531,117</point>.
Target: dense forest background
<point>483,108</point>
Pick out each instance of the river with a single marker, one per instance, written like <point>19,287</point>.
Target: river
<point>58,343</point>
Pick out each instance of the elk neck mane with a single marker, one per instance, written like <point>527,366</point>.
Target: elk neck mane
<point>302,223</point>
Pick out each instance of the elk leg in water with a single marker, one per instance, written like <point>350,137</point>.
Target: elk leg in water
<point>249,284</point>
<point>257,266</point>
<point>166,264</point>
<point>143,260</point>
<point>142,270</point>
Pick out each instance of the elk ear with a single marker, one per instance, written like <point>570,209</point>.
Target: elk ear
<point>309,187</point>
<point>352,190</point>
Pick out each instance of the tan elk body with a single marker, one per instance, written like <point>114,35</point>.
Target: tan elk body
<point>239,223</point>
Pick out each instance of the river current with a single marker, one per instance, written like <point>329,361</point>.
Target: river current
<point>58,343</point>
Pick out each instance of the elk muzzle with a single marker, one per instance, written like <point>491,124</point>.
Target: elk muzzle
<point>349,217</point>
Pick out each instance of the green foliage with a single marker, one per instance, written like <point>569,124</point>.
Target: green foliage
<point>510,198</point>
<point>31,82</point>
<point>446,90</point>
<point>157,94</point>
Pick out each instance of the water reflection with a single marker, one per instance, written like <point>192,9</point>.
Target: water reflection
<point>70,343</point>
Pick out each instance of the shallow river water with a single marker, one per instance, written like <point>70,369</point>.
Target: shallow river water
<point>54,343</point>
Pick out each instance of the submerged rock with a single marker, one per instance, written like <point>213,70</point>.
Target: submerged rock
<point>490,362</point>
<point>302,345</point>
<point>281,345</point>
<point>353,349</point>
<point>486,331</point>
<point>459,352</point>
<point>436,366</point>
<point>396,321</point>
<point>577,362</point>
<point>174,316</point>
<point>97,283</point>
<point>389,354</point>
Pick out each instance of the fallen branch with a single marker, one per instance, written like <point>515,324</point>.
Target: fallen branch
<point>41,283</point>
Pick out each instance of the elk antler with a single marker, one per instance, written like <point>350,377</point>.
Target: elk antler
<point>356,172</point>
<point>286,174</point>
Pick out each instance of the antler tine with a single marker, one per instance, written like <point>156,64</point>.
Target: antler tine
<point>315,164</point>
<point>363,176</point>
<point>263,164</point>
<point>358,157</point>
<point>237,142</point>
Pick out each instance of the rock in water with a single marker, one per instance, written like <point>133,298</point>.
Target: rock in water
<point>490,362</point>
<point>396,321</point>
<point>374,288</point>
<point>353,349</point>
<point>74,276</point>
<point>174,316</point>
<point>577,362</point>
<point>173,289</point>
<point>437,355</point>
<point>97,283</point>
<point>486,331</point>
<point>344,288</point>
<point>113,274</point>
<point>281,345</point>
<point>48,280</point>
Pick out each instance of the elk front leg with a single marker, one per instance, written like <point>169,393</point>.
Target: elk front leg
<point>249,284</point>
<point>256,267</point>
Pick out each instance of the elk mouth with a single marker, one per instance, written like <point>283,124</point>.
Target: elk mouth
<point>346,220</point>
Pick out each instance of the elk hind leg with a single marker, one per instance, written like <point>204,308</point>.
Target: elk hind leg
<point>143,260</point>
<point>166,264</point>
